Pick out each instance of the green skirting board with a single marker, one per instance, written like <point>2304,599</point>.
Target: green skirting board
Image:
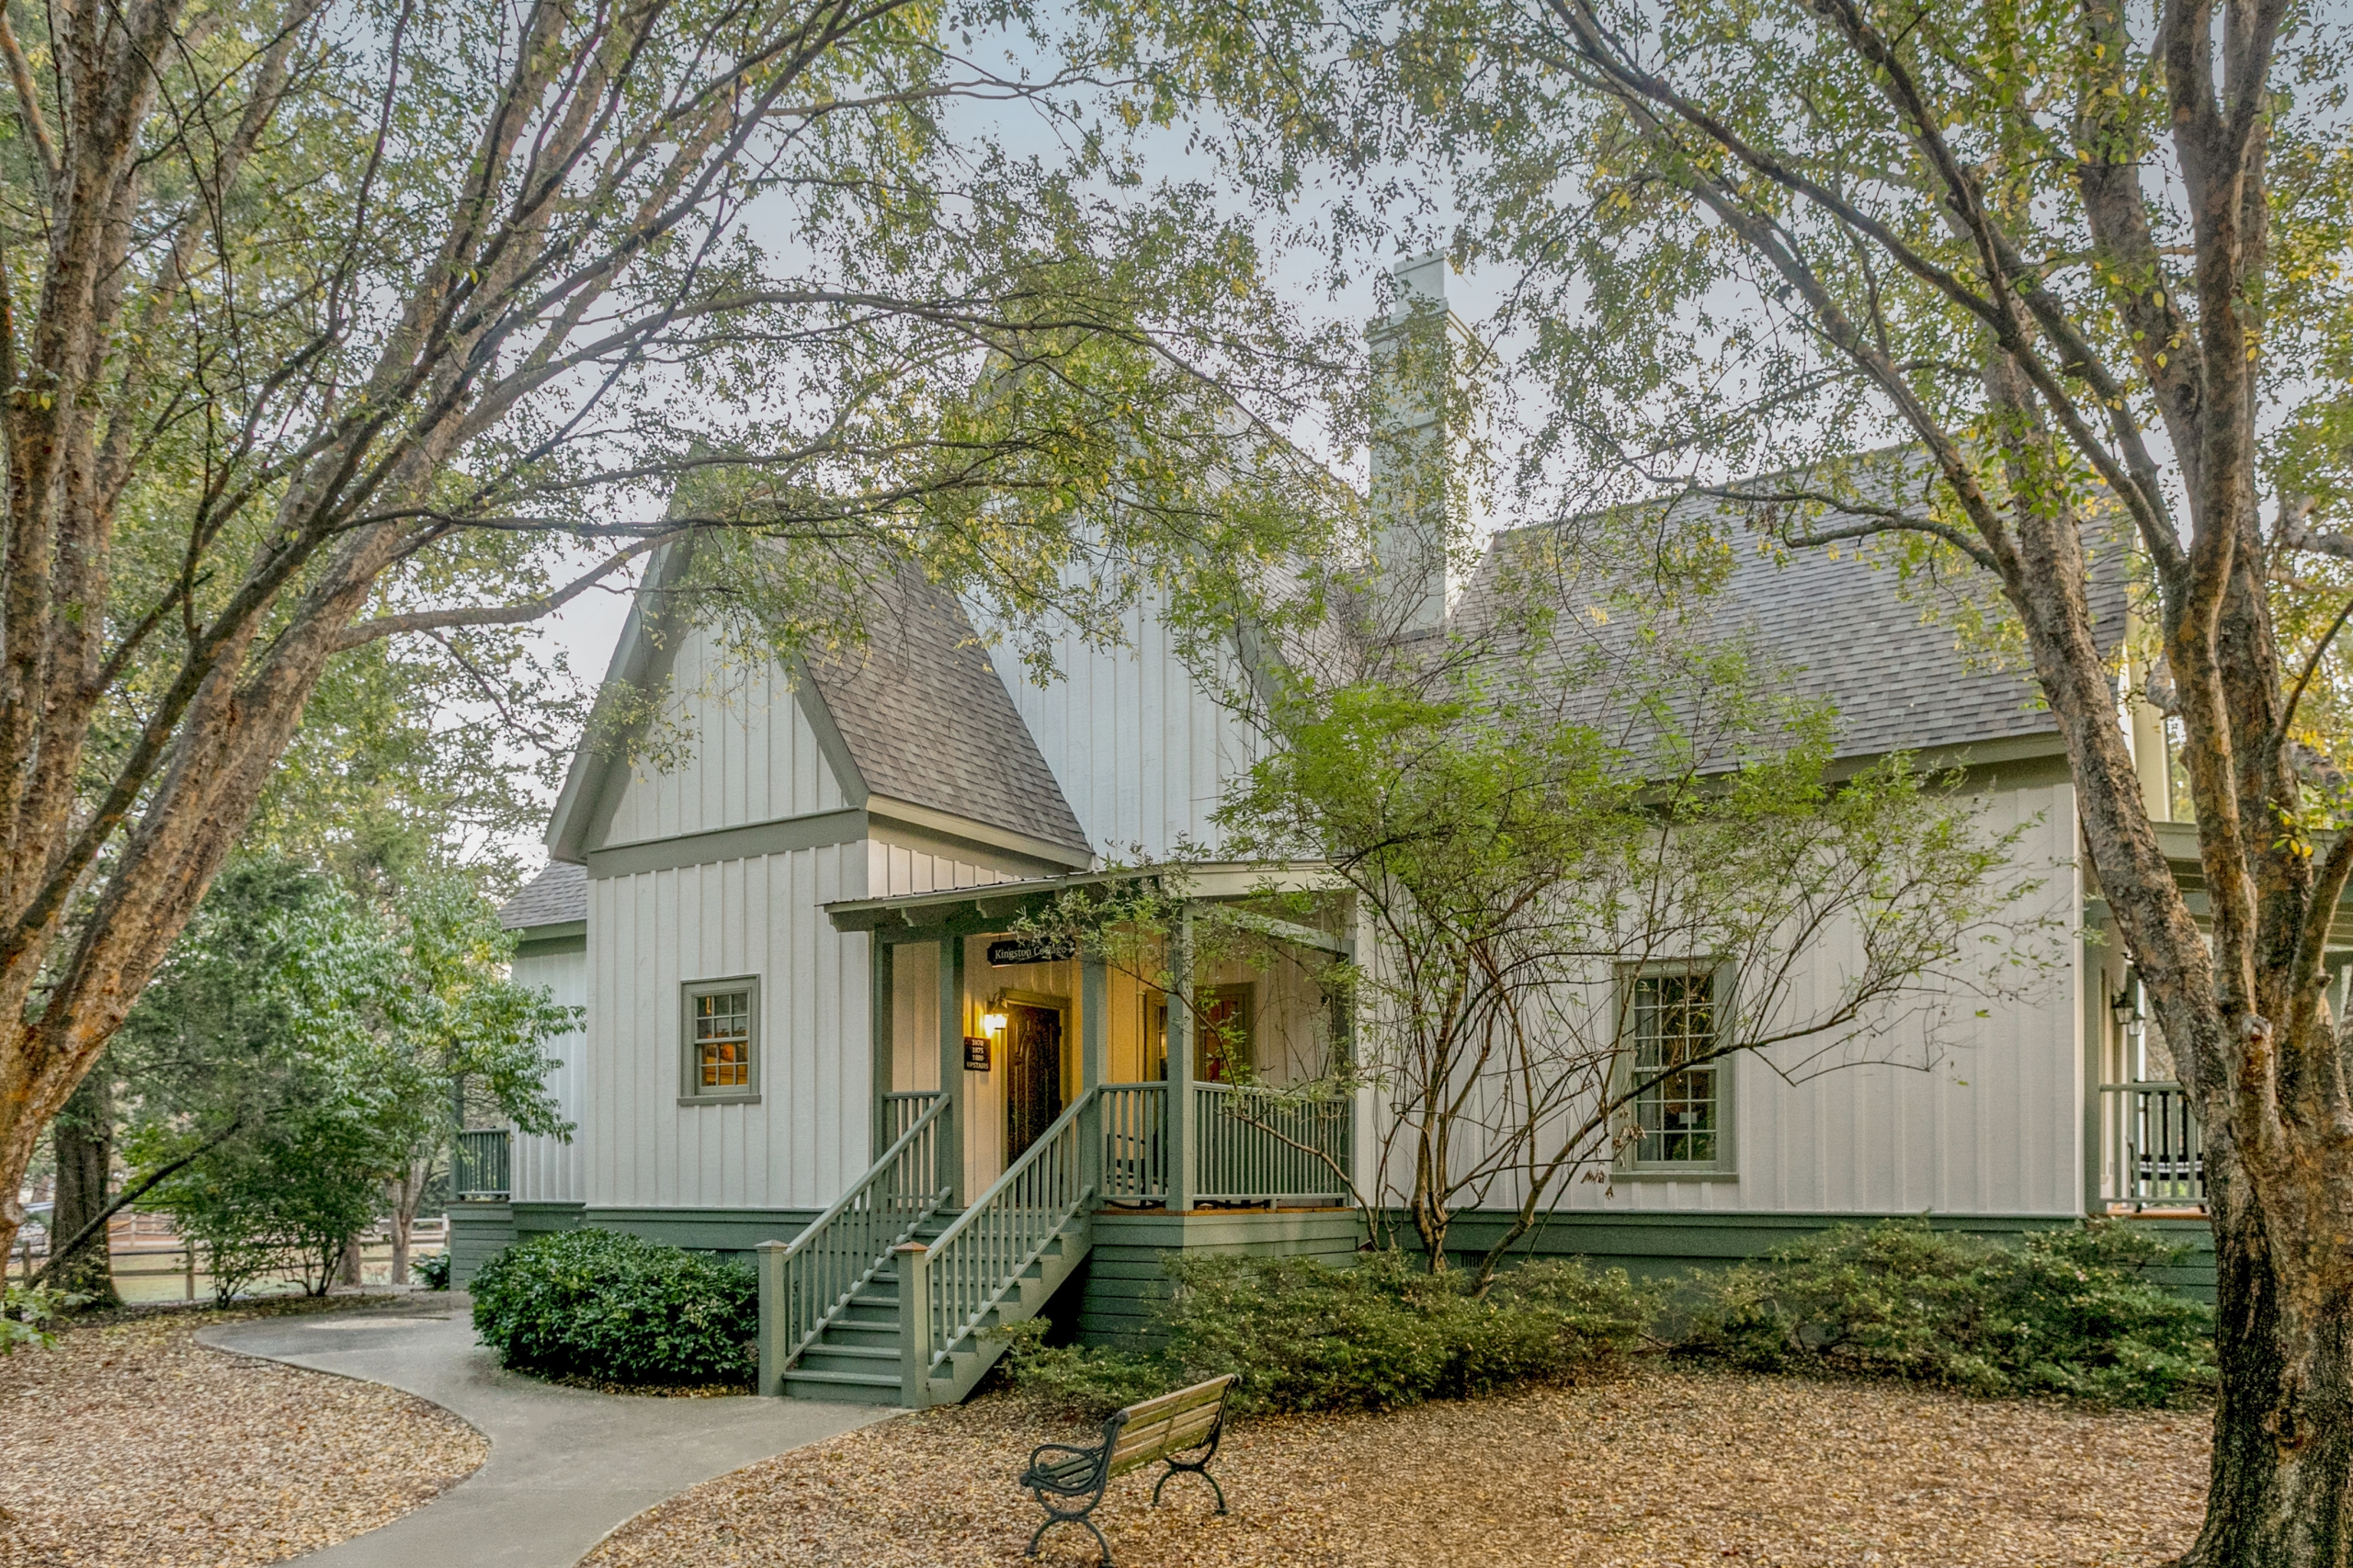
<point>1653,1245</point>
<point>1124,1275</point>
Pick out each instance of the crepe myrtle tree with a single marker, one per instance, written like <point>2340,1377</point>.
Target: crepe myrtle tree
<point>323,322</point>
<point>1527,856</point>
<point>2086,260</point>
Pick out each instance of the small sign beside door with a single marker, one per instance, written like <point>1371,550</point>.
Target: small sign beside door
<point>976,1053</point>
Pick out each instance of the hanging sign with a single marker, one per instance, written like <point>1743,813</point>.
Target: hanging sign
<point>1014,950</point>
<point>976,1053</point>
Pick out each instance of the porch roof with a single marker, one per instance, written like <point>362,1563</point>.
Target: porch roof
<point>988,905</point>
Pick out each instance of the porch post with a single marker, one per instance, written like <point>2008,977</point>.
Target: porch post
<point>951,1131</point>
<point>883,1030</point>
<point>1182,1132</point>
<point>1094,1057</point>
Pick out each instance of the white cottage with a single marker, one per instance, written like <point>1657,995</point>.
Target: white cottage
<point>809,1037</point>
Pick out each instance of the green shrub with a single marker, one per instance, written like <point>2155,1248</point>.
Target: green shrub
<point>433,1273</point>
<point>1304,1336</point>
<point>2068,1314</point>
<point>613,1308</point>
<point>27,1309</point>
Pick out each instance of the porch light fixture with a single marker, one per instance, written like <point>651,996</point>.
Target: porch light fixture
<point>2125,1006</point>
<point>991,1023</point>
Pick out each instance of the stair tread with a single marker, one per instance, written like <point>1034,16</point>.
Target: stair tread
<point>856,1379</point>
<point>862,1352</point>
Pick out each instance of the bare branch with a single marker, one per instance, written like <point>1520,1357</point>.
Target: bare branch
<point>502,615</point>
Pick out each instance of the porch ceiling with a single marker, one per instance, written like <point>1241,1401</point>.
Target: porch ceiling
<point>982,908</point>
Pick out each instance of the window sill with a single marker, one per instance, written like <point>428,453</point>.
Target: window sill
<point>684,1100</point>
<point>1662,1173</point>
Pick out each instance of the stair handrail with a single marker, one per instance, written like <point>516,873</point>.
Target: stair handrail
<point>811,1302</point>
<point>1012,1249</point>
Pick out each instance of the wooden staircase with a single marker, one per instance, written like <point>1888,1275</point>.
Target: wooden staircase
<point>891,1298</point>
<point>854,1357</point>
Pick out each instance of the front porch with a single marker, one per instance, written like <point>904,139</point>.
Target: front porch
<point>1194,1056</point>
<point>1039,1096</point>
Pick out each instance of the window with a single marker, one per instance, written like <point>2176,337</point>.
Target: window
<point>1224,1033</point>
<point>1679,1111</point>
<point>722,1040</point>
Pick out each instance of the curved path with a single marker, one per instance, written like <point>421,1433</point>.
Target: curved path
<point>565,1465</point>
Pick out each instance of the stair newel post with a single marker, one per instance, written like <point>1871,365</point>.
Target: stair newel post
<point>1094,1048</point>
<point>915,1325</point>
<point>1183,1132</point>
<point>951,1135</point>
<point>773,1316</point>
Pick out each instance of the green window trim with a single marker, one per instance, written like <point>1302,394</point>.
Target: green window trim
<point>719,1046</point>
<point>1681,1127</point>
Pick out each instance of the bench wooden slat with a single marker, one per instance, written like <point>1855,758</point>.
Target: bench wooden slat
<point>1175,1434</point>
<point>1210,1392</point>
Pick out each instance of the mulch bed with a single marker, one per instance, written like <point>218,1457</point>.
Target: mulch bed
<point>1657,1467</point>
<point>129,1443</point>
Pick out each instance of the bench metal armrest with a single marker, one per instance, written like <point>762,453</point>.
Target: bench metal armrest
<point>1034,1478</point>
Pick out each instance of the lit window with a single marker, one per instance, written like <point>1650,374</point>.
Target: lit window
<point>722,1043</point>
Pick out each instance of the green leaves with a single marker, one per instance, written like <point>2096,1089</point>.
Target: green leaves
<point>2070,1311</point>
<point>615,1308</point>
<point>330,1033</point>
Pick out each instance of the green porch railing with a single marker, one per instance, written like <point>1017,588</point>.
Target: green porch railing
<point>1261,1145</point>
<point>814,1278</point>
<point>947,1290</point>
<point>483,1168</point>
<point>2154,1158</point>
<point>901,1108</point>
<point>1135,1142</point>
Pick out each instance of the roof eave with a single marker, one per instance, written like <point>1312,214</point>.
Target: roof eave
<point>997,901</point>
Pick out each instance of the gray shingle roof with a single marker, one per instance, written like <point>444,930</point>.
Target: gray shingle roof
<point>1892,655</point>
<point>928,721</point>
<point>556,895</point>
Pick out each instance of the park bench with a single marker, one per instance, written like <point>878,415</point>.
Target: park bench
<point>1069,1482</point>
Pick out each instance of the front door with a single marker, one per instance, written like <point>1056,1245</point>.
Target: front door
<point>1033,1081</point>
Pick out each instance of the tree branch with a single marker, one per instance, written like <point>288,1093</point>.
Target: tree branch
<point>500,615</point>
<point>20,75</point>
<point>58,1254</point>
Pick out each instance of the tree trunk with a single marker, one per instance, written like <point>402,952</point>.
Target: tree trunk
<point>408,1191</point>
<point>348,1266</point>
<point>84,1142</point>
<point>2281,1485</point>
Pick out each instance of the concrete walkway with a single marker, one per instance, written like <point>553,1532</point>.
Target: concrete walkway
<point>565,1465</point>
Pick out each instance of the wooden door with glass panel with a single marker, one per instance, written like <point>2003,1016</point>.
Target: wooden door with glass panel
<point>1033,1074</point>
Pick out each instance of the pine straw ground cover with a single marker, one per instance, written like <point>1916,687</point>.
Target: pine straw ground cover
<point>129,1443</point>
<point>1652,1468</point>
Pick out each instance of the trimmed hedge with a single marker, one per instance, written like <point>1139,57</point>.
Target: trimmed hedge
<point>618,1309</point>
<point>2070,1313</point>
<point>1304,1336</point>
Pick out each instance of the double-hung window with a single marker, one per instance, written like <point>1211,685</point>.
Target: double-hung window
<point>722,1038</point>
<point>1681,1103</point>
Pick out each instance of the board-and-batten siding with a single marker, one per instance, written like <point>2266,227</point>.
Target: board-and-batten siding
<point>752,757</point>
<point>1992,1124</point>
<point>653,933</point>
<point>1143,754</point>
<point>548,1170</point>
<point>1995,1126</point>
